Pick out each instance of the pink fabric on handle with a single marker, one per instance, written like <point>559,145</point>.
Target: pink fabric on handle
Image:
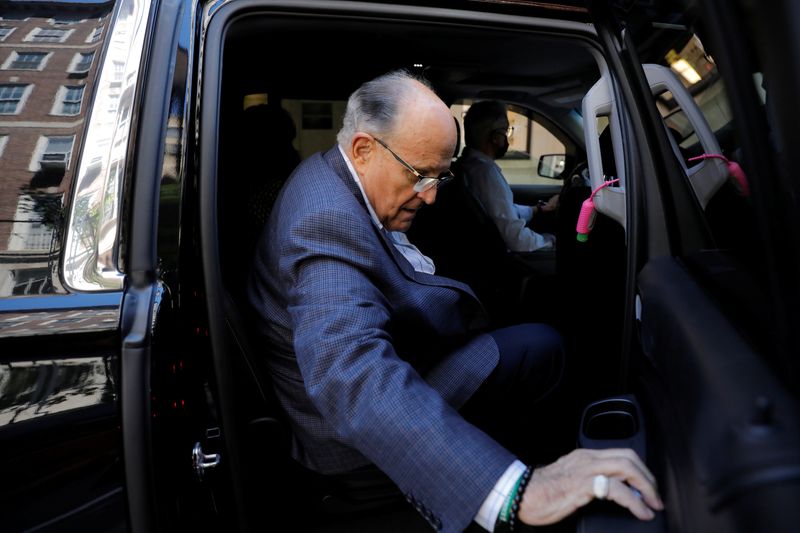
<point>588,213</point>
<point>735,171</point>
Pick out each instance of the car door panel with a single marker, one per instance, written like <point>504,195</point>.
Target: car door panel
<point>721,419</point>
<point>60,439</point>
<point>60,428</point>
<point>729,416</point>
<point>531,194</point>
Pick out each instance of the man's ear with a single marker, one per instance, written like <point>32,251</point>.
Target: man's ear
<point>363,148</point>
<point>494,139</point>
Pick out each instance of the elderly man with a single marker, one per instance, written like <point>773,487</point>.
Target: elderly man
<point>372,354</point>
<point>486,131</point>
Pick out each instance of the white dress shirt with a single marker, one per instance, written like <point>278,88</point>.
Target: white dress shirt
<point>485,179</point>
<point>420,261</point>
<point>490,510</point>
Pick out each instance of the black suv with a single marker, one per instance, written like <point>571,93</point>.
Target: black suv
<point>138,166</point>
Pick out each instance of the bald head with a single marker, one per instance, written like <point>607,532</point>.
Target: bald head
<point>396,130</point>
<point>388,104</point>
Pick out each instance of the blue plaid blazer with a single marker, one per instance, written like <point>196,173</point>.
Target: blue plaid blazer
<point>369,358</point>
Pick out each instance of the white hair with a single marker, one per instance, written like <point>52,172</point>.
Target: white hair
<point>373,107</point>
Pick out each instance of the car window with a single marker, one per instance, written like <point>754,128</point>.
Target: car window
<point>46,83</point>
<point>528,141</point>
<point>727,211</point>
<point>317,123</point>
<point>732,268</point>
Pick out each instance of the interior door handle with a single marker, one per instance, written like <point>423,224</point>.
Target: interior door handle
<point>202,461</point>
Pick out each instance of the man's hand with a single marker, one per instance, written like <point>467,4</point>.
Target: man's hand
<point>550,205</point>
<point>559,489</point>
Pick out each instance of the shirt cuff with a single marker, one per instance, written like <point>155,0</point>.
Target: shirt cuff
<point>524,212</point>
<point>490,510</point>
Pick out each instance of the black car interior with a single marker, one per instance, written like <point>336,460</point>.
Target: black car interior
<point>545,72</point>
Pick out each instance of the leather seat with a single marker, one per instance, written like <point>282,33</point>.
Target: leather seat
<point>465,244</point>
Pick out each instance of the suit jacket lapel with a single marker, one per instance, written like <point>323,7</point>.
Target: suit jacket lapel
<point>337,163</point>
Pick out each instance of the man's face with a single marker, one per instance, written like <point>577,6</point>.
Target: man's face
<point>501,139</point>
<point>425,139</point>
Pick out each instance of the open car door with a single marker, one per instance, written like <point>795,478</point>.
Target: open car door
<point>711,224</point>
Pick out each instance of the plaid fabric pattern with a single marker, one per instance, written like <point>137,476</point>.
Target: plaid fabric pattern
<point>370,359</point>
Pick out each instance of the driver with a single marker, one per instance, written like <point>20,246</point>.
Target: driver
<point>486,132</point>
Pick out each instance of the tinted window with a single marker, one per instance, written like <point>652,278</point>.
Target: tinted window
<point>732,265</point>
<point>528,140</point>
<point>45,83</point>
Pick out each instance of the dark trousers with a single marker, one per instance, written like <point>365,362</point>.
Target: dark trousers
<point>517,403</point>
<point>511,405</point>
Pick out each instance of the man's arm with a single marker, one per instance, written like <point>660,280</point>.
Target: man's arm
<point>498,201</point>
<point>373,399</point>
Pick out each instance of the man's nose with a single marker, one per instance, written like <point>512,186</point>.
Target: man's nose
<point>428,196</point>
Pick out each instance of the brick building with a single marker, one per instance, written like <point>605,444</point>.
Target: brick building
<point>50,54</point>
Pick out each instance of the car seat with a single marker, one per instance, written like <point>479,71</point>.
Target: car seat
<point>464,244</point>
<point>260,157</point>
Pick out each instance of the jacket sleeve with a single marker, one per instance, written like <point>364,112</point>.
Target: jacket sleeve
<point>374,400</point>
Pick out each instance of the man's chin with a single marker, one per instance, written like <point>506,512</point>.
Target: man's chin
<point>400,225</point>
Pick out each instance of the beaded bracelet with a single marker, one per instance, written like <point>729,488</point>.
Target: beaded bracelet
<point>505,512</point>
<point>520,491</point>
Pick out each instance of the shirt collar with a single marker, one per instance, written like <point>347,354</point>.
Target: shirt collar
<point>354,175</point>
<point>476,154</point>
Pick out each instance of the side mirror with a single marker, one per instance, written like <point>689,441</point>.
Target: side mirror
<point>551,165</point>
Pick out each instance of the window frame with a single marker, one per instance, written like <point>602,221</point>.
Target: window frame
<point>33,35</point>
<point>23,218</point>
<point>41,150</point>
<point>55,21</point>
<point>61,100</point>
<point>7,35</point>
<point>27,88</point>
<point>13,57</point>
<point>95,35</point>
<point>76,60</point>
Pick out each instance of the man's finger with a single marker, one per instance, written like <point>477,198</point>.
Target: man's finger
<point>622,494</point>
<point>630,455</point>
<point>625,469</point>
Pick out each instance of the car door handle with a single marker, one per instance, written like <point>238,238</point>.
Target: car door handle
<point>202,461</point>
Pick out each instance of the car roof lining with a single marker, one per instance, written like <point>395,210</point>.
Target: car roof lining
<point>537,69</point>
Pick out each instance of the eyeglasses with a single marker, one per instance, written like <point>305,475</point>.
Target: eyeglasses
<point>424,183</point>
<point>508,132</point>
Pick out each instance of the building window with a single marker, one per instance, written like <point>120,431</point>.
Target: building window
<point>34,222</point>
<point>30,281</point>
<point>57,152</point>
<point>173,143</point>
<point>95,35</point>
<point>113,103</point>
<point>48,35</point>
<point>10,98</point>
<point>3,143</point>
<point>25,61</point>
<point>5,31</point>
<point>68,101</point>
<point>119,71</point>
<point>81,62</point>
<point>64,21</point>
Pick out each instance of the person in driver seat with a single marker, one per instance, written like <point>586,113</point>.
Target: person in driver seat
<point>486,132</point>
